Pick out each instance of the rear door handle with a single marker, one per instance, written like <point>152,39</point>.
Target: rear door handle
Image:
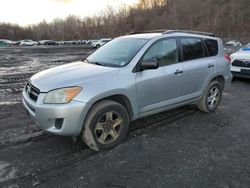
<point>210,65</point>
<point>178,71</point>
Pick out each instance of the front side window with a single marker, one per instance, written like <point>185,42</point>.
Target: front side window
<point>164,51</point>
<point>192,48</point>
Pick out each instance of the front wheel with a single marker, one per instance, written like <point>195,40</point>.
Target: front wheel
<point>211,98</point>
<point>106,125</point>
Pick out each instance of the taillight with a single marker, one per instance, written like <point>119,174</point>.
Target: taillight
<point>228,58</point>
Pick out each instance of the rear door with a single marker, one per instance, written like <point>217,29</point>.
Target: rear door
<point>197,67</point>
<point>160,87</point>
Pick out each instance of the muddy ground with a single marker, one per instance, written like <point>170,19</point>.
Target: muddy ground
<point>178,148</point>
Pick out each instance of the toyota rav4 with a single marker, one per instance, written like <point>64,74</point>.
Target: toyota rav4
<point>130,77</point>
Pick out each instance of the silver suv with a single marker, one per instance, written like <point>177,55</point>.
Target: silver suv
<point>128,78</point>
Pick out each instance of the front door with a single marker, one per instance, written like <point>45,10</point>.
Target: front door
<point>160,87</point>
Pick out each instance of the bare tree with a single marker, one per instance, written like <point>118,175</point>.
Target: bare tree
<point>226,18</point>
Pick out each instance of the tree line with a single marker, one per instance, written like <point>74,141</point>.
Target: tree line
<point>225,18</point>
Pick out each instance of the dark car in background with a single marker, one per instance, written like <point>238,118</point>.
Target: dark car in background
<point>47,42</point>
<point>51,42</point>
<point>4,42</point>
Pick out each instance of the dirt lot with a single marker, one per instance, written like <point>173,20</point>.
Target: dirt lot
<point>179,148</point>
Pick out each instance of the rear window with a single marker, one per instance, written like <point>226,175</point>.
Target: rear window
<point>212,47</point>
<point>192,48</point>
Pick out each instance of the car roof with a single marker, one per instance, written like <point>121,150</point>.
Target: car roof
<point>163,32</point>
<point>142,35</point>
<point>174,34</point>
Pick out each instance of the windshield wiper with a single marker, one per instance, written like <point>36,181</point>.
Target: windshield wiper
<point>87,61</point>
<point>98,63</point>
<point>102,64</point>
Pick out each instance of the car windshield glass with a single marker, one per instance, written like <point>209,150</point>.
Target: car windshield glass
<point>118,52</point>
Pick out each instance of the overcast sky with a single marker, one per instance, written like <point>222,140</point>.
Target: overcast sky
<point>25,12</point>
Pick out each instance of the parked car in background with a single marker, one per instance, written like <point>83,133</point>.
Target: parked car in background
<point>128,78</point>
<point>234,43</point>
<point>83,42</point>
<point>27,43</point>
<point>240,64</point>
<point>17,42</point>
<point>42,42</point>
<point>246,48</point>
<point>51,42</point>
<point>80,42</point>
<point>89,42</point>
<point>100,42</point>
<point>5,42</point>
<point>93,43</point>
<point>60,42</point>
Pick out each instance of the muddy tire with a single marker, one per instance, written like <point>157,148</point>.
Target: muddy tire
<point>106,125</point>
<point>211,97</point>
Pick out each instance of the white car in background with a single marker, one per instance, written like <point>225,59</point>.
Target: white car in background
<point>240,64</point>
<point>28,43</point>
<point>100,42</point>
<point>234,43</point>
<point>42,42</point>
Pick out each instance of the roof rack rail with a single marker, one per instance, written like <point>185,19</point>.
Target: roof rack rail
<point>149,31</point>
<point>165,31</point>
<point>188,31</point>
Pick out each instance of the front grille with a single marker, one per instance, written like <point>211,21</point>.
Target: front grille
<point>32,91</point>
<point>241,63</point>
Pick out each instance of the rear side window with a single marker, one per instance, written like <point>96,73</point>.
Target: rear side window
<point>192,48</point>
<point>212,47</point>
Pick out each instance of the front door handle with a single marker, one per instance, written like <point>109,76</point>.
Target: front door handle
<point>210,65</point>
<point>178,71</point>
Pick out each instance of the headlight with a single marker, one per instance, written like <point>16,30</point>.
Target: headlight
<point>61,96</point>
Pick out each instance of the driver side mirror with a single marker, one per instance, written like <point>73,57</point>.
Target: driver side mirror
<point>149,64</point>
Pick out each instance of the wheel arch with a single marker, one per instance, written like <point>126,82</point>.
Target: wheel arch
<point>220,79</point>
<point>117,97</point>
<point>123,100</point>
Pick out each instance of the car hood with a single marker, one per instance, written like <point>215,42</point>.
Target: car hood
<point>244,55</point>
<point>72,74</point>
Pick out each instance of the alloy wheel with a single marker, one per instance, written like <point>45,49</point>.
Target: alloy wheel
<point>108,127</point>
<point>213,97</point>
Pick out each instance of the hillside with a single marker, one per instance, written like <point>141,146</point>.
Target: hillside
<point>226,18</point>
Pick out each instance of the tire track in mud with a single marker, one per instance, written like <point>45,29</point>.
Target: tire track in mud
<point>11,84</point>
<point>23,138</point>
<point>70,159</point>
<point>15,78</point>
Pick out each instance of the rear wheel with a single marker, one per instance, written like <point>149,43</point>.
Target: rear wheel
<point>106,125</point>
<point>211,98</point>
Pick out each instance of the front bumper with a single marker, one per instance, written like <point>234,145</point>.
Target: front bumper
<point>239,73</point>
<point>46,115</point>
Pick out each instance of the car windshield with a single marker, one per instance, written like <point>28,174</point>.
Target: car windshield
<point>118,52</point>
